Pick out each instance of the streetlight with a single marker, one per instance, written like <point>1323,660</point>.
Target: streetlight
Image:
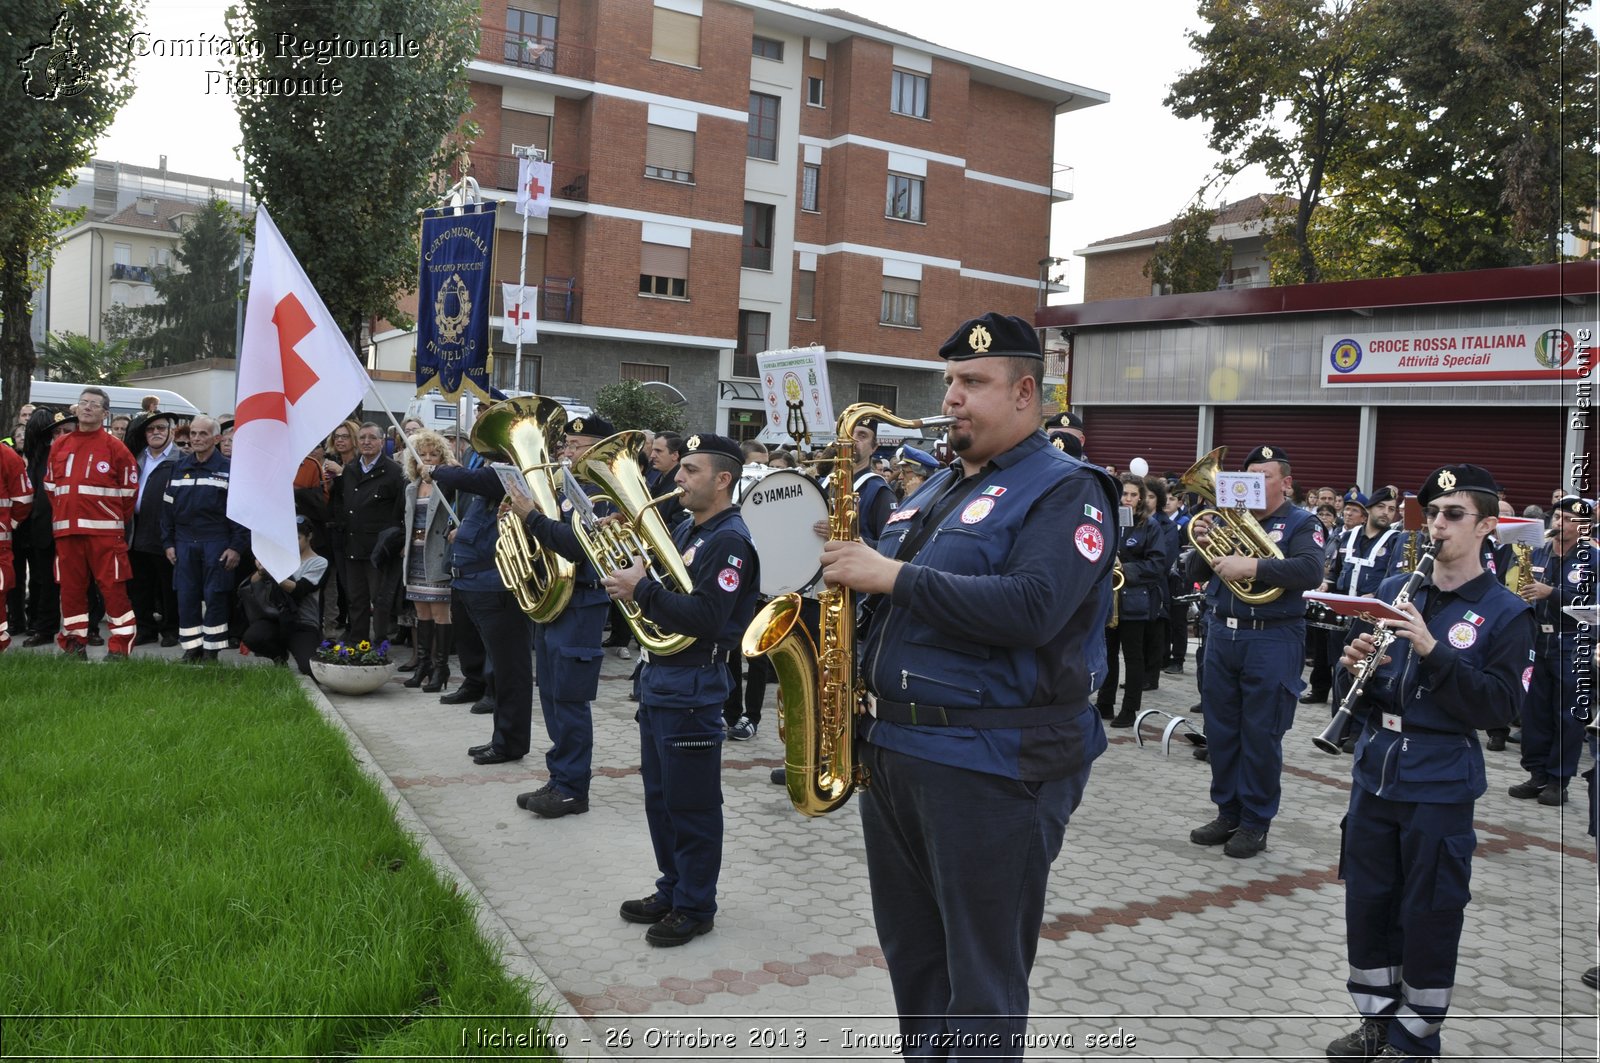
<point>1045,266</point>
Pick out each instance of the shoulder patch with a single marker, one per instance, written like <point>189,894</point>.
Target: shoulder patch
<point>728,579</point>
<point>1089,540</point>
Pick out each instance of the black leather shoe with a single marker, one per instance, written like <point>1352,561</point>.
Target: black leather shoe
<point>780,776</point>
<point>1175,668</point>
<point>1527,790</point>
<point>482,707</point>
<point>96,640</point>
<point>1245,843</point>
<point>651,909</point>
<point>193,656</point>
<point>553,804</point>
<point>1202,753</point>
<point>1553,794</point>
<point>1363,1043</point>
<point>169,641</point>
<point>495,756</point>
<point>1314,697</point>
<point>1216,832</point>
<point>465,694</point>
<point>1497,743</point>
<point>523,800</point>
<point>1591,978</point>
<point>38,638</point>
<point>476,751</point>
<point>676,929</point>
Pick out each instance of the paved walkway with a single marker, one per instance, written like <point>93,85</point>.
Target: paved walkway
<point>1163,949</point>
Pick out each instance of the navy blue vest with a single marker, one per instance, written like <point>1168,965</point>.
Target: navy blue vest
<point>1296,532</point>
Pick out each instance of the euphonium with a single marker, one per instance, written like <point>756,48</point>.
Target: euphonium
<point>613,466</point>
<point>528,430</point>
<point>818,685</point>
<point>1233,531</point>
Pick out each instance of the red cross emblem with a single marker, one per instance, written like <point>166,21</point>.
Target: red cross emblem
<point>294,325</point>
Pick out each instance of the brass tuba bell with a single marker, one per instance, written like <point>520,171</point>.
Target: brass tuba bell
<point>528,430</point>
<point>1233,531</point>
<point>613,466</point>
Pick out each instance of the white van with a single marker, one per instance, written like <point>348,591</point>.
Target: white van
<point>59,394</point>
<point>441,414</point>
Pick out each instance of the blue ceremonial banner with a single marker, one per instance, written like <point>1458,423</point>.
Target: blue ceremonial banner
<point>454,300</point>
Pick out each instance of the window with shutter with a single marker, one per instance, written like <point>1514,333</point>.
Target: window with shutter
<point>664,271</point>
<point>900,298</point>
<point>669,154</point>
<point>805,304</point>
<point>676,38</point>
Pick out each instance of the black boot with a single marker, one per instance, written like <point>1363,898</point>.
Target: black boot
<point>444,641</point>
<point>421,661</point>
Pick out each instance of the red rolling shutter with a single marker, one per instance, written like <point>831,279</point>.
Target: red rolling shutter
<point>1321,441</point>
<point>1162,435</point>
<point>1521,445</point>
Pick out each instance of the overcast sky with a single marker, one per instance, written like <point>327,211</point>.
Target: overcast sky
<point>1134,163</point>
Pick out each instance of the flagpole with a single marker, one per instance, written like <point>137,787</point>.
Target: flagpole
<point>372,389</point>
<point>537,155</point>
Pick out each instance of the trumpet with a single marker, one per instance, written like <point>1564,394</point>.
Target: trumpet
<point>612,465</point>
<point>1232,530</point>
<point>528,430</point>
<point>1332,737</point>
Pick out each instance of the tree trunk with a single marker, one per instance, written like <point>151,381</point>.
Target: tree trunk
<point>17,358</point>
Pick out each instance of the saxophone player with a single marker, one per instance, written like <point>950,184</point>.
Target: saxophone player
<point>1459,662</point>
<point>976,663</point>
<point>681,696</point>
<point>1253,659</point>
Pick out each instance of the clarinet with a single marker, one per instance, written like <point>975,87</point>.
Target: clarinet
<point>1330,740</point>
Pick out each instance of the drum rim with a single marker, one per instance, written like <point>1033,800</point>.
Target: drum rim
<point>816,575</point>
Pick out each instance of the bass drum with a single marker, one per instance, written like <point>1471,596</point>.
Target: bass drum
<point>781,510</point>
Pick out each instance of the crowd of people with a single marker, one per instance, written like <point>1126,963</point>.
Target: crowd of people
<point>1016,601</point>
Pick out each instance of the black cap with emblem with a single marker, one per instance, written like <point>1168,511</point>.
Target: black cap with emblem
<point>1067,443</point>
<point>706,443</point>
<point>1064,419</point>
<point>1266,453</point>
<point>593,425</point>
<point>1384,494</point>
<point>1573,506</point>
<point>1452,478</point>
<point>992,336</point>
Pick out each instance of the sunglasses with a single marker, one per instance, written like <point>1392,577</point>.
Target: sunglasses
<point>1451,514</point>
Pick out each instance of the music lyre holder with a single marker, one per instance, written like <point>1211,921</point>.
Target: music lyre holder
<point>1174,723</point>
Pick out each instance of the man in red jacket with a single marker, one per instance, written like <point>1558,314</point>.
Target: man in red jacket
<point>92,480</point>
<point>16,501</point>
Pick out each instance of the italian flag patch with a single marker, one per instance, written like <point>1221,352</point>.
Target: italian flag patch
<point>1092,513</point>
<point>1474,617</point>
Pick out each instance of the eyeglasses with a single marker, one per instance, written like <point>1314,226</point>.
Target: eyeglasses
<point>1451,514</point>
<point>91,404</point>
<point>183,444</point>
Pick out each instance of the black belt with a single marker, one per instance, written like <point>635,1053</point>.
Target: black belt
<point>698,655</point>
<point>919,715</point>
<point>1246,624</point>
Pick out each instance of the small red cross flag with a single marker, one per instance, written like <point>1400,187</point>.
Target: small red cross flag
<point>533,188</point>
<point>522,313</point>
<point>298,378</point>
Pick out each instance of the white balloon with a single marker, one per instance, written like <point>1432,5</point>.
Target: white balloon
<point>1139,467</point>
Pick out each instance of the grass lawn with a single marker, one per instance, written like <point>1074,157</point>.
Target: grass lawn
<point>191,863</point>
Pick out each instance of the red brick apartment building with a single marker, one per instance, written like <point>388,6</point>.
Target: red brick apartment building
<point>733,176</point>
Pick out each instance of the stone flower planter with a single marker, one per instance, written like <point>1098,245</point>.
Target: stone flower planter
<point>352,678</point>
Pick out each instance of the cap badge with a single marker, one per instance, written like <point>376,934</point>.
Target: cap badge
<point>693,443</point>
<point>1447,480</point>
<point>577,424</point>
<point>979,340</point>
<point>1059,444</point>
<point>1266,452</point>
<point>1577,507</point>
<point>1065,420</point>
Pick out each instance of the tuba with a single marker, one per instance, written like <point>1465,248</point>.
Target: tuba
<point>613,466</point>
<point>1233,531</point>
<point>818,684</point>
<point>528,430</point>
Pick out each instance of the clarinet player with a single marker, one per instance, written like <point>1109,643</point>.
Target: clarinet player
<point>1458,663</point>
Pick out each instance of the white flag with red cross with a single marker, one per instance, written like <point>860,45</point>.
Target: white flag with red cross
<point>522,313</point>
<point>298,378</point>
<point>533,187</point>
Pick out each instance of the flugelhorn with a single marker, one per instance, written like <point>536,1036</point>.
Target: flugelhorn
<point>613,466</point>
<point>528,431</point>
<point>819,686</point>
<point>1232,531</point>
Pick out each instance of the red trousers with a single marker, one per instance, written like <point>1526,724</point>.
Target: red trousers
<point>103,559</point>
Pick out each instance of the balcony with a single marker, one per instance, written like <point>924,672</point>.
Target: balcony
<point>559,300</point>
<point>122,271</point>
<point>1062,182</point>
<point>539,55</point>
<point>494,170</point>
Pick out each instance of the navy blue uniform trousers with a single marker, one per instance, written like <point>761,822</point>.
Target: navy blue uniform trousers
<point>681,765</point>
<point>568,652</point>
<point>508,642</point>
<point>1552,734</point>
<point>958,898</point>
<point>1249,688</point>
<point>1406,867</point>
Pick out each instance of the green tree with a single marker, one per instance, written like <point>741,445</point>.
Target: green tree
<point>76,358</point>
<point>64,72</point>
<point>630,403</point>
<point>1190,260</point>
<point>345,173</point>
<point>199,305</point>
